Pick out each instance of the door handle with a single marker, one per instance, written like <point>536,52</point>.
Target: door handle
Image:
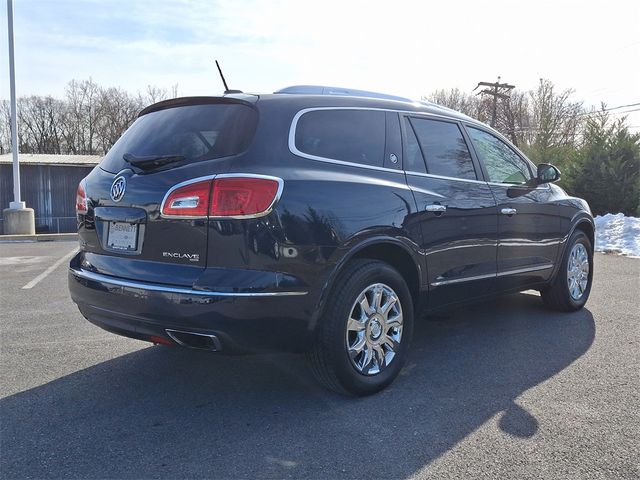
<point>435,208</point>
<point>508,211</point>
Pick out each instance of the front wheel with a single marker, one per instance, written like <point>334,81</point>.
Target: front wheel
<point>364,335</point>
<point>572,285</point>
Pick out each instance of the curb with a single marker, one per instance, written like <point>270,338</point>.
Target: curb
<point>43,237</point>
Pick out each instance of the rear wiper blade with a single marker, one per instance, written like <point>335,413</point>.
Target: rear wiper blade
<point>150,162</point>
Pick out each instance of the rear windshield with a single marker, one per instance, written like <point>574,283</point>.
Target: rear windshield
<point>195,132</point>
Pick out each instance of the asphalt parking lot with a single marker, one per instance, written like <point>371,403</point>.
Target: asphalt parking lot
<point>503,389</point>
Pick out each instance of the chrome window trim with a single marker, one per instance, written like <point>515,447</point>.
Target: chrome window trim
<point>294,123</point>
<point>508,185</point>
<point>293,149</point>
<point>223,217</point>
<point>544,186</point>
<point>443,177</point>
<point>546,266</point>
<point>167,289</point>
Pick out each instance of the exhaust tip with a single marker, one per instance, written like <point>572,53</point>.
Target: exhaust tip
<point>200,341</point>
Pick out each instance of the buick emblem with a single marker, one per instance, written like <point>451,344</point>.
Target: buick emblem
<point>118,187</point>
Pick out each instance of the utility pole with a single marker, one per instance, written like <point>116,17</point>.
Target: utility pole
<point>496,90</point>
<point>18,220</point>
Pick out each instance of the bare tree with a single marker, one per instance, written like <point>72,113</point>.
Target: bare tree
<point>89,120</point>
<point>456,99</point>
<point>5,127</point>
<point>514,117</point>
<point>118,110</point>
<point>538,120</point>
<point>39,124</point>
<point>82,116</point>
<point>156,94</point>
<point>557,119</point>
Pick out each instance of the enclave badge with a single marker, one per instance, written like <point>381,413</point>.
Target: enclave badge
<point>192,257</point>
<point>118,187</point>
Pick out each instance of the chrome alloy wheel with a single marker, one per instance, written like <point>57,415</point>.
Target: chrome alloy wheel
<point>578,271</point>
<point>374,329</point>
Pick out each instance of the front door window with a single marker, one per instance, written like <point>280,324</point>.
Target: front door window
<point>502,163</point>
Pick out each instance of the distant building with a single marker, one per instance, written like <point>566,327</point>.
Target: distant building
<point>48,184</point>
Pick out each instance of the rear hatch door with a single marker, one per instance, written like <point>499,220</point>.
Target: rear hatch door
<point>174,144</point>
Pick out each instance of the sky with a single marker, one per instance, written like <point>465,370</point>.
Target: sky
<point>408,48</point>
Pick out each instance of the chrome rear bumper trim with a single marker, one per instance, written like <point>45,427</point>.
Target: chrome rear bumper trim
<point>168,289</point>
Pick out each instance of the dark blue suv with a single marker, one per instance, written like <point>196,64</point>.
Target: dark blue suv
<point>326,224</point>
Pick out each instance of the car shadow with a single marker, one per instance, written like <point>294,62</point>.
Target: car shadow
<point>164,412</point>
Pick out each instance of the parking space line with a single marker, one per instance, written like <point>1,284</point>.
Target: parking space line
<point>44,274</point>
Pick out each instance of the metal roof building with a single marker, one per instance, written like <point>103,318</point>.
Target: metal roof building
<point>48,184</point>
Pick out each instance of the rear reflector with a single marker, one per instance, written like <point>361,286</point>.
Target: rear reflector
<point>160,340</point>
<point>242,196</point>
<point>81,200</point>
<point>235,196</point>
<point>191,200</point>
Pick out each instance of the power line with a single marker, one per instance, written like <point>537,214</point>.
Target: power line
<point>626,111</point>
<point>588,114</point>
<point>622,106</point>
<point>615,108</point>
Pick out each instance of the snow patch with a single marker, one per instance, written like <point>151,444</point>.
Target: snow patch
<point>618,234</point>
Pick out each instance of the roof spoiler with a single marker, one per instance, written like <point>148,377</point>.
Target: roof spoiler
<point>185,101</point>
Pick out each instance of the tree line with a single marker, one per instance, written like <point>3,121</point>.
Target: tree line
<point>86,121</point>
<point>598,156</point>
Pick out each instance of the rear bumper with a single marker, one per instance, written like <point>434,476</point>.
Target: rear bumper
<point>240,322</point>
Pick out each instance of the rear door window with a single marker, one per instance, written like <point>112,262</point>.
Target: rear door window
<point>413,160</point>
<point>195,132</point>
<point>444,148</point>
<point>356,136</point>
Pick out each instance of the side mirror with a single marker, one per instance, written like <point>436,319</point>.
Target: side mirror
<point>547,173</point>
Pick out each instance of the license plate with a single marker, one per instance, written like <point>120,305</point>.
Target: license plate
<point>122,236</point>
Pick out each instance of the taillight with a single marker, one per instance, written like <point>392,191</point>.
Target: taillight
<point>81,199</point>
<point>191,200</point>
<point>242,196</point>
<point>224,196</point>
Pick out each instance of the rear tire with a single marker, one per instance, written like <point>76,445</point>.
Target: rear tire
<point>364,334</point>
<point>570,289</point>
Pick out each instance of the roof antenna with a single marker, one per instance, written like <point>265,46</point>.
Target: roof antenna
<point>224,82</point>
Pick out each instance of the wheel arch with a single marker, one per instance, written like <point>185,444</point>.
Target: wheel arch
<point>581,221</point>
<point>588,228</point>
<point>386,249</point>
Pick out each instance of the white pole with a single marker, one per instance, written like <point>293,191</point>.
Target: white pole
<point>17,202</point>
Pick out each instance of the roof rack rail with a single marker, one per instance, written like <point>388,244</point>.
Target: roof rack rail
<point>324,90</point>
